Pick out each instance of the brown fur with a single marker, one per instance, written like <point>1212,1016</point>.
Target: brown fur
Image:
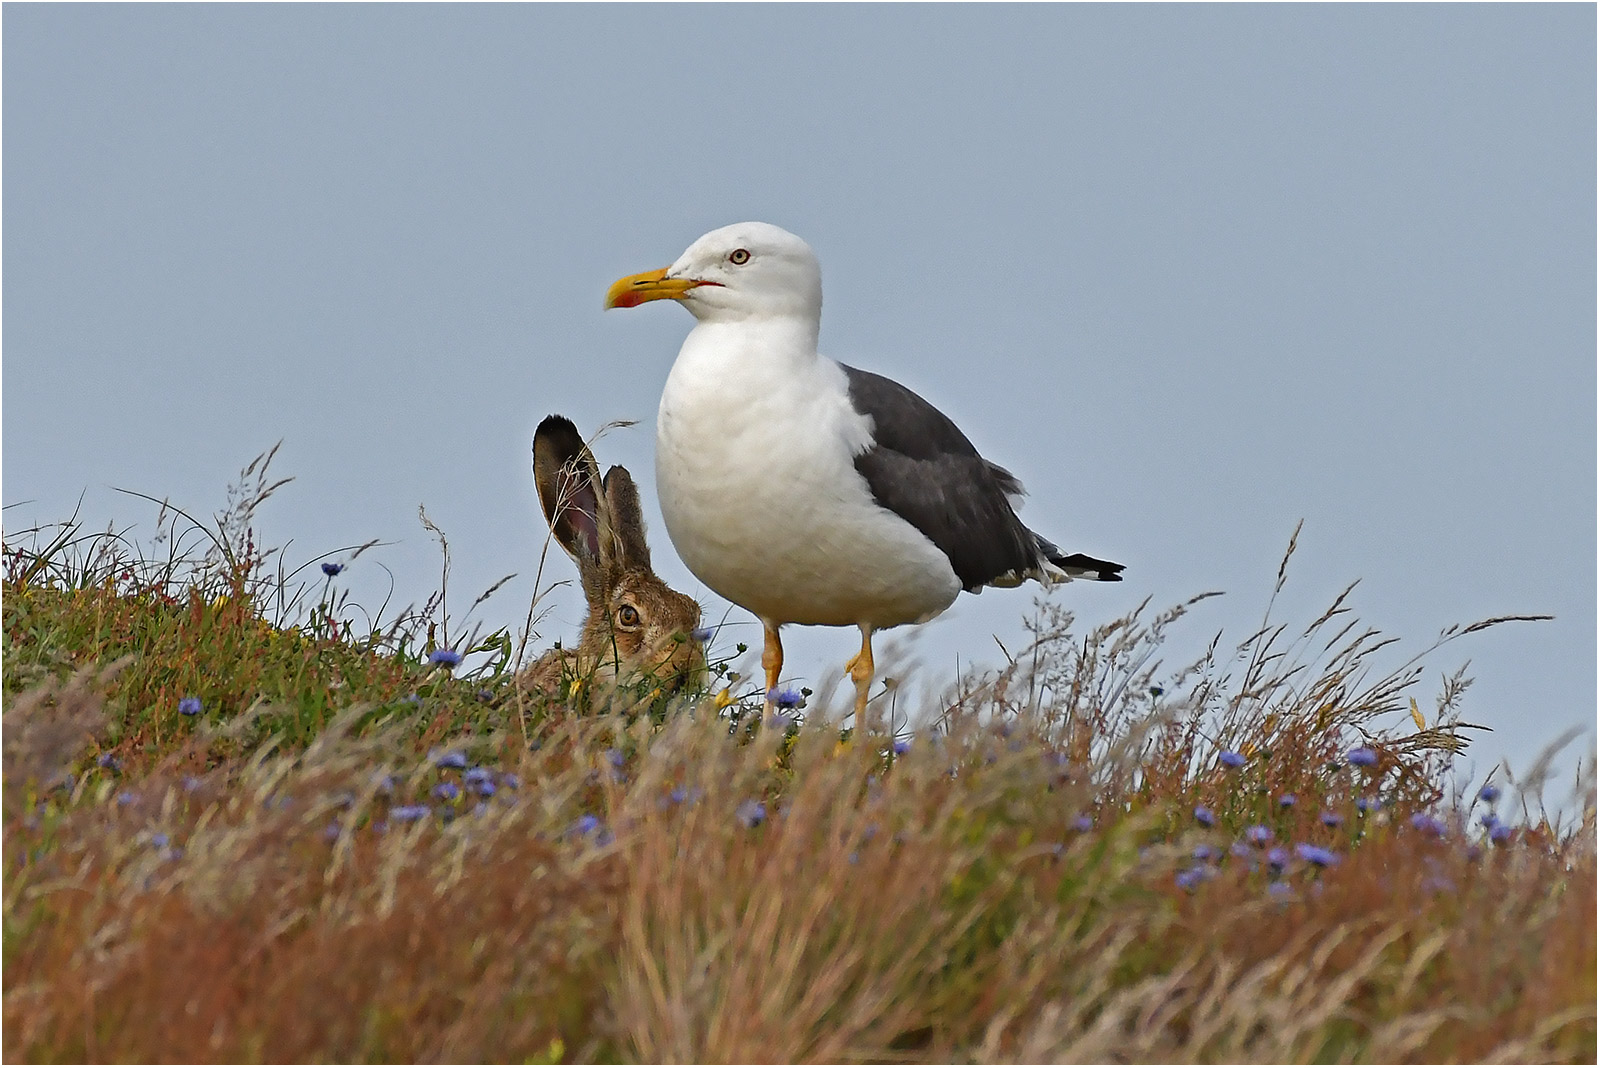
<point>601,526</point>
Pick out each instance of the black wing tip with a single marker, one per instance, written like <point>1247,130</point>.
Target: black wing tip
<point>1104,570</point>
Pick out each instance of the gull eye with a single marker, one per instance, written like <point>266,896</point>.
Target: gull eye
<point>739,257</point>
<point>628,617</point>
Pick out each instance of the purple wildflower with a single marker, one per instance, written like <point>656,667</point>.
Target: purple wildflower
<point>1258,834</point>
<point>448,657</point>
<point>331,568</point>
<point>1206,852</point>
<point>1083,823</point>
<point>109,762</point>
<point>784,697</point>
<point>1204,816</point>
<point>751,813</point>
<point>615,758</point>
<point>189,706</point>
<point>1499,833</point>
<point>1365,805</point>
<point>702,634</point>
<point>159,840</point>
<point>1287,801</point>
<point>1230,759</point>
<point>586,824</point>
<point>1362,757</point>
<point>1278,858</point>
<point>901,746</point>
<point>1189,879</point>
<point>1311,854</point>
<point>1279,889</point>
<point>1428,824</point>
<point>1331,819</point>
<point>447,791</point>
<point>127,797</point>
<point>455,758</point>
<point>1489,794</point>
<point>408,813</point>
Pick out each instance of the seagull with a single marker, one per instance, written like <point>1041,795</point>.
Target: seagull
<point>810,492</point>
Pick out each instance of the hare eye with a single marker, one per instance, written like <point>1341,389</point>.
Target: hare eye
<point>739,257</point>
<point>627,617</point>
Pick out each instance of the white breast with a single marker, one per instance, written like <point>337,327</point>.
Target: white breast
<point>755,442</point>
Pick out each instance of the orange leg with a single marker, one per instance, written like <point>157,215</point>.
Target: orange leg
<point>860,669</point>
<point>772,661</point>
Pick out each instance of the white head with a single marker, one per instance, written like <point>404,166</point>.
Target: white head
<point>744,271</point>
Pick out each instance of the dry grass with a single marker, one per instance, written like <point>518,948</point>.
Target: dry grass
<point>425,870</point>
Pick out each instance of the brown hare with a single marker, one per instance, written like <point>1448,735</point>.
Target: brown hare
<point>638,627</point>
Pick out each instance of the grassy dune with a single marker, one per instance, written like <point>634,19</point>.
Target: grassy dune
<point>242,825</point>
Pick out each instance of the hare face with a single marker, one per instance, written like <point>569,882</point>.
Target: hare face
<point>646,632</point>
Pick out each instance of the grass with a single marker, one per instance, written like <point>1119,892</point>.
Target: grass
<point>353,853</point>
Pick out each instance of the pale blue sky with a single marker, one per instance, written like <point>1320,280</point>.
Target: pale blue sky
<point>1193,273</point>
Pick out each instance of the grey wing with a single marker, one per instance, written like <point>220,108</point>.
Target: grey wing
<point>922,467</point>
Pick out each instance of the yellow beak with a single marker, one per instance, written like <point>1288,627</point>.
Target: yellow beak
<point>634,290</point>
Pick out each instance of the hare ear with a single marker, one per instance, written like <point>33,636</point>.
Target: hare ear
<point>626,518</point>
<point>568,481</point>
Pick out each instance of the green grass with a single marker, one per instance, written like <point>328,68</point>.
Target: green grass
<point>302,872</point>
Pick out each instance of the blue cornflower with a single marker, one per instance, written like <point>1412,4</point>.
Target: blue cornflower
<point>331,569</point>
<point>1258,834</point>
<point>127,797</point>
<point>1311,854</point>
<point>511,781</point>
<point>901,746</point>
<point>159,840</point>
<point>784,697</point>
<point>1229,759</point>
<point>1239,849</point>
<point>678,795</point>
<point>1428,824</point>
<point>1277,858</point>
<point>189,706</point>
<point>1365,805</point>
<point>1287,801</point>
<point>449,791</point>
<point>1204,816</point>
<point>1279,889</point>
<point>703,634</point>
<point>586,824</point>
<point>455,758</point>
<point>1489,820</point>
<point>1499,833</point>
<point>1489,794</point>
<point>1083,823</point>
<point>476,774</point>
<point>412,699</point>
<point>615,758</point>
<point>409,812</point>
<point>1206,852</point>
<point>1331,819</point>
<point>484,787</point>
<point>331,832</point>
<point>448,657</point>
<point>1190,878</point>
<point>109,762</point>
<point>751,813</point>
<point>1362,757</point>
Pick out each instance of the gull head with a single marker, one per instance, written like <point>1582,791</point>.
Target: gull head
<point>750,270</point>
